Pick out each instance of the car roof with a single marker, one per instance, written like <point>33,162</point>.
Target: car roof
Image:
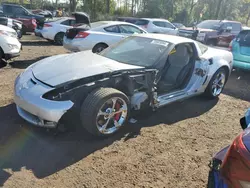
<point>168,38</point>
<point>109,23</point>
<point>155,19</point>
<point>224,21</point>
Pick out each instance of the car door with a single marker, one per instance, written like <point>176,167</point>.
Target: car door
<point>20,12</point>
<point>185,66</point>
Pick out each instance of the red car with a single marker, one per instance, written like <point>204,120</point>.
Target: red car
<point>230,168</point>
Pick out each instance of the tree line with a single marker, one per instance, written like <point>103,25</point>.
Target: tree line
<point>184,11</point>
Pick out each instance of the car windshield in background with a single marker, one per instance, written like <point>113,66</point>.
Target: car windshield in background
<point>209,24</point>
<point>244,38</point>
<point>141,22</point>
<point>137,51</point>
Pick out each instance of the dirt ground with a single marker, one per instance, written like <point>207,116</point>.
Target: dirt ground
<point>169,148</point>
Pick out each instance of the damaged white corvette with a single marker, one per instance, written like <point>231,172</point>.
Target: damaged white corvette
<point>150,70</point>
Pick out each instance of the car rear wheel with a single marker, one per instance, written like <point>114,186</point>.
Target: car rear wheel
<point>217,83</point>
<point>99,47</point>
<point>59,38</point>
<point>105,111</point>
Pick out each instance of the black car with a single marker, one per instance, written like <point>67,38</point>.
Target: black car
<point>19,12</point>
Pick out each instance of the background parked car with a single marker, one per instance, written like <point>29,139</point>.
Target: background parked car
<point>240,48</point>
<point>45,13</point>
<point>9,45</point>
<point>157,26</point>
<point>179,25</point>
<point>230,167</point>
<point>12,23</point>
<point>213,32</point>
<point>128,19</point>
<point>55,29</point>
<point>20,13</point>
<point>99,36</point>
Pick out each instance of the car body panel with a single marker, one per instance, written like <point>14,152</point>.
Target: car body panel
<point>70,67</point>
<point>96,36</point>
<point>233,167</point>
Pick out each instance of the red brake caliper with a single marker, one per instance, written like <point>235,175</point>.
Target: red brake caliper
<point>117,107</point>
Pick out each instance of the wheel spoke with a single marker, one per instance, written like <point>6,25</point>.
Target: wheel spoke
<point>113,102</point>
<point>122,109</point>
<point>101,113</point>
<point>116,124</point>
<point>103,128</point>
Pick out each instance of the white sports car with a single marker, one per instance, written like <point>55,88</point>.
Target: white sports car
<point>142,71</point>
<point>101,35</point>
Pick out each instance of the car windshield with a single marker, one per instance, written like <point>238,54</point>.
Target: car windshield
<point>139,51</point>
<point>209,24</point>
<point>244,38</point>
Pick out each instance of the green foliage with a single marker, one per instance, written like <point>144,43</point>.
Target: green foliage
<point>185,11</point>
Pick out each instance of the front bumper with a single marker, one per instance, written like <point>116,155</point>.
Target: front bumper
<point>10,56</point>
<point>241,65</point>
<point>32,107</point>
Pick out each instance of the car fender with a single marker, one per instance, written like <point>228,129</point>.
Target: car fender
<point>218,63</point>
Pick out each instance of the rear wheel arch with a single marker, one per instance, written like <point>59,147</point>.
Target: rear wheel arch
<point>103,44</point>
<point>57,36</point>
<point>1,53</point>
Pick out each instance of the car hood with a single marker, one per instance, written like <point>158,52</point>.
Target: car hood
<point>5,28</point>
<point>81,18</point>
<point>60,69</point>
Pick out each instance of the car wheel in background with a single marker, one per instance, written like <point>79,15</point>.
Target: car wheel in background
<point>217,83</point>
<point>99,47</point>
<point>212,42</point>
<point>59,38</point>
<point>24,30</point>
<point>104,111</point>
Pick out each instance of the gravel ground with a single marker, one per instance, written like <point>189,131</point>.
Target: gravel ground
<point>168,148</point>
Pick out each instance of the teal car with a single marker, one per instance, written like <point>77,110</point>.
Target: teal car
<point>240,47</point>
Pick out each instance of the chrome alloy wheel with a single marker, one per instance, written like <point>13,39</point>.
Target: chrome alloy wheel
<point>111,115</point>
<point>218,83</point>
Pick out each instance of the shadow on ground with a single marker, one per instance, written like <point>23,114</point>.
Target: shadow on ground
<point>37,43</point>
<point>44,153</point>
<point>238,85</point>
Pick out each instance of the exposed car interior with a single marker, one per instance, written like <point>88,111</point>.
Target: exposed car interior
<point>178,69</point>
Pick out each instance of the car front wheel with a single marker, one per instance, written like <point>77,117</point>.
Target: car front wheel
<point>104,111</point>
<point>217,83</point>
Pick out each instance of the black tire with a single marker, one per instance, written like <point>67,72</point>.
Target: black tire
<point>1,55</point>
<point>59,38</point>
<point>93,104</point>
<point>99,47</point>
<point>209,90</point>
<point>24,30</point>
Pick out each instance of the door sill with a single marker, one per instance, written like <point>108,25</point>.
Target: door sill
<point>165,99</point>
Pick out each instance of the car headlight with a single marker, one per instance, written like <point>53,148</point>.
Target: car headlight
<point>13,46</point>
